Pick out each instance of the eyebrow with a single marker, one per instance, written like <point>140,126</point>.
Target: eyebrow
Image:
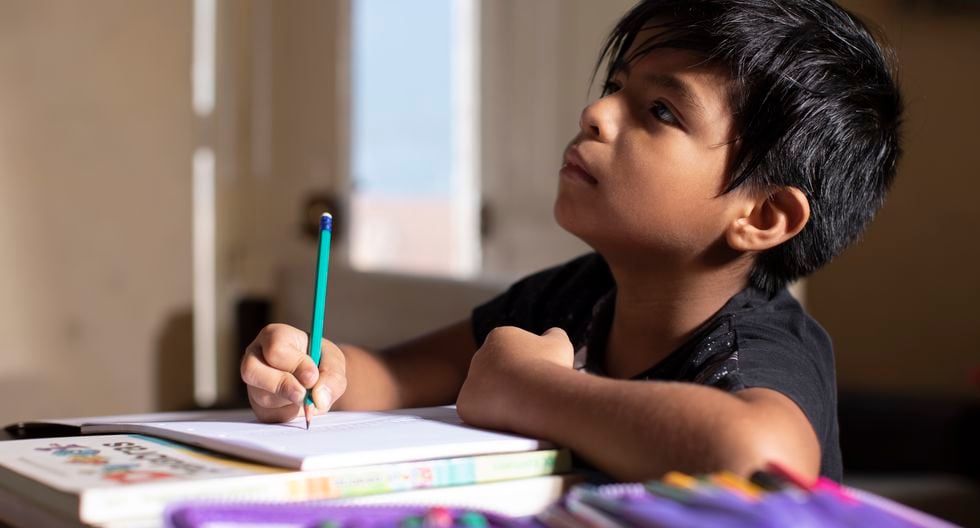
<point>679,87</point>
<point>671,83</point>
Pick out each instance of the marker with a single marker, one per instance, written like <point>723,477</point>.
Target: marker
<point>674,493</point>
<point>414,521</point>
<point>438,517</point>
<point>472,519</point>
<point>319,299</point>
<point>680,480</point>
<point>737,484</point>
<point>829,486</point>
<point>768,481</point>
<point>788,475</point>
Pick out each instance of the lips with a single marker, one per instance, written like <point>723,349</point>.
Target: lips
<point>575,168</point>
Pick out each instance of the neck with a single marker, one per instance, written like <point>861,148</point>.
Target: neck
<point>658,309</point>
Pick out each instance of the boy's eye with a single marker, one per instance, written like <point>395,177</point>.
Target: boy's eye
<point>663,113</point>
<point>610,87</point>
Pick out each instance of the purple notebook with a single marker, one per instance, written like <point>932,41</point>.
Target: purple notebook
<point>316,515</point>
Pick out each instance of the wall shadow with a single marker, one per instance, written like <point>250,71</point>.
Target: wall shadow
<point>174,365</point>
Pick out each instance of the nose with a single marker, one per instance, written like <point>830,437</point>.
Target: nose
<point>600,120</point>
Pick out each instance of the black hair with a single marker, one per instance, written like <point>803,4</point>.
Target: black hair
<point>815,105</point>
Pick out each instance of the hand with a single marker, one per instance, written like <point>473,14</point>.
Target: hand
<point>509,359</point>
<point>278,371</point>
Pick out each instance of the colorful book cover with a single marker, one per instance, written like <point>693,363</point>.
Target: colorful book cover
<point>114,477</point>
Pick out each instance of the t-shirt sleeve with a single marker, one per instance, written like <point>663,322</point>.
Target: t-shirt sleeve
<point>511,308</point>
<point>793,356</point>
<point>559,296</point>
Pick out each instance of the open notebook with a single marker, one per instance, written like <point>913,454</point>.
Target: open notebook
<point>336,439</point>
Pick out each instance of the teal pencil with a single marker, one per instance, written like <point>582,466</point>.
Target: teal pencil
<point>319,299</point>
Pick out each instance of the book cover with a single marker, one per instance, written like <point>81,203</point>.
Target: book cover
<point>108,478</point>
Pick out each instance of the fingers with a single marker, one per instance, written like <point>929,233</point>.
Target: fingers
<point>505,333</point>
<point>333,377</point>
<point>272,367</point>
<point>278,350</point>
<point>283,348</point>
<point>555,333</point>
<point>272,387</point>
<point>269,412</point>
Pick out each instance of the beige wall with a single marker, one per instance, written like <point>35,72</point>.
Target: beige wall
<point>902,304</point>
<point>94,200</point>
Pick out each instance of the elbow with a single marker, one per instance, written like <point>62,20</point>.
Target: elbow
<point>753,448</point>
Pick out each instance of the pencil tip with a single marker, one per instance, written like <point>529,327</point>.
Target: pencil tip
<point>308,411</point>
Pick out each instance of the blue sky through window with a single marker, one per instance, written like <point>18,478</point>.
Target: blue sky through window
<point>401,97</point>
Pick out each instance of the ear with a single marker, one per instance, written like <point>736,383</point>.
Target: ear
<point>770,220</point>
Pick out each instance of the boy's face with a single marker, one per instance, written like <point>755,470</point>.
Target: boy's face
<point>648,168</point>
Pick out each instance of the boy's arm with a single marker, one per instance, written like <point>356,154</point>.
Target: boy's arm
<point>425,371</point>
<point>632,430</point>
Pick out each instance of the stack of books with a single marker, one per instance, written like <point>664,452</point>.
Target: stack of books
<point>126,470</point>
<point>425,466</point>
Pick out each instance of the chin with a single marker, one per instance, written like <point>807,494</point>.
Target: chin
<point>574,221</point>
<point>563,214</point>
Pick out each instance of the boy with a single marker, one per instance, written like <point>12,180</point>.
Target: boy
<point>737,146</point>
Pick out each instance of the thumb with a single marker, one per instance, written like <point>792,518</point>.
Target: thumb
<point>333,377</point>
<point>560,344</point>
<point>555,333</point>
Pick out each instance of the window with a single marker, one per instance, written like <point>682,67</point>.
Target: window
<point>414,201</point>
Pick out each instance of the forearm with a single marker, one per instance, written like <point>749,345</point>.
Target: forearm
<point>371,384</point>
<point>395,381</point>
<point>639,429</point>
<point>423,372</point>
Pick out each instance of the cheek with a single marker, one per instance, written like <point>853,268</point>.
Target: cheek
<point>671,199</point>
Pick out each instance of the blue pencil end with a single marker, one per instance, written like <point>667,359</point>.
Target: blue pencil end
<point>326,222</point>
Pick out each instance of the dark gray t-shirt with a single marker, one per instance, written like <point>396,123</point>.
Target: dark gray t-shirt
<point>755,340</point>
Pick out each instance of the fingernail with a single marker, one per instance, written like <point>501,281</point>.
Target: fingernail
<point>297,396</point>
<point>323,398</point>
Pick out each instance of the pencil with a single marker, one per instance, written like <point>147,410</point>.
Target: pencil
<point>319,299</point>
